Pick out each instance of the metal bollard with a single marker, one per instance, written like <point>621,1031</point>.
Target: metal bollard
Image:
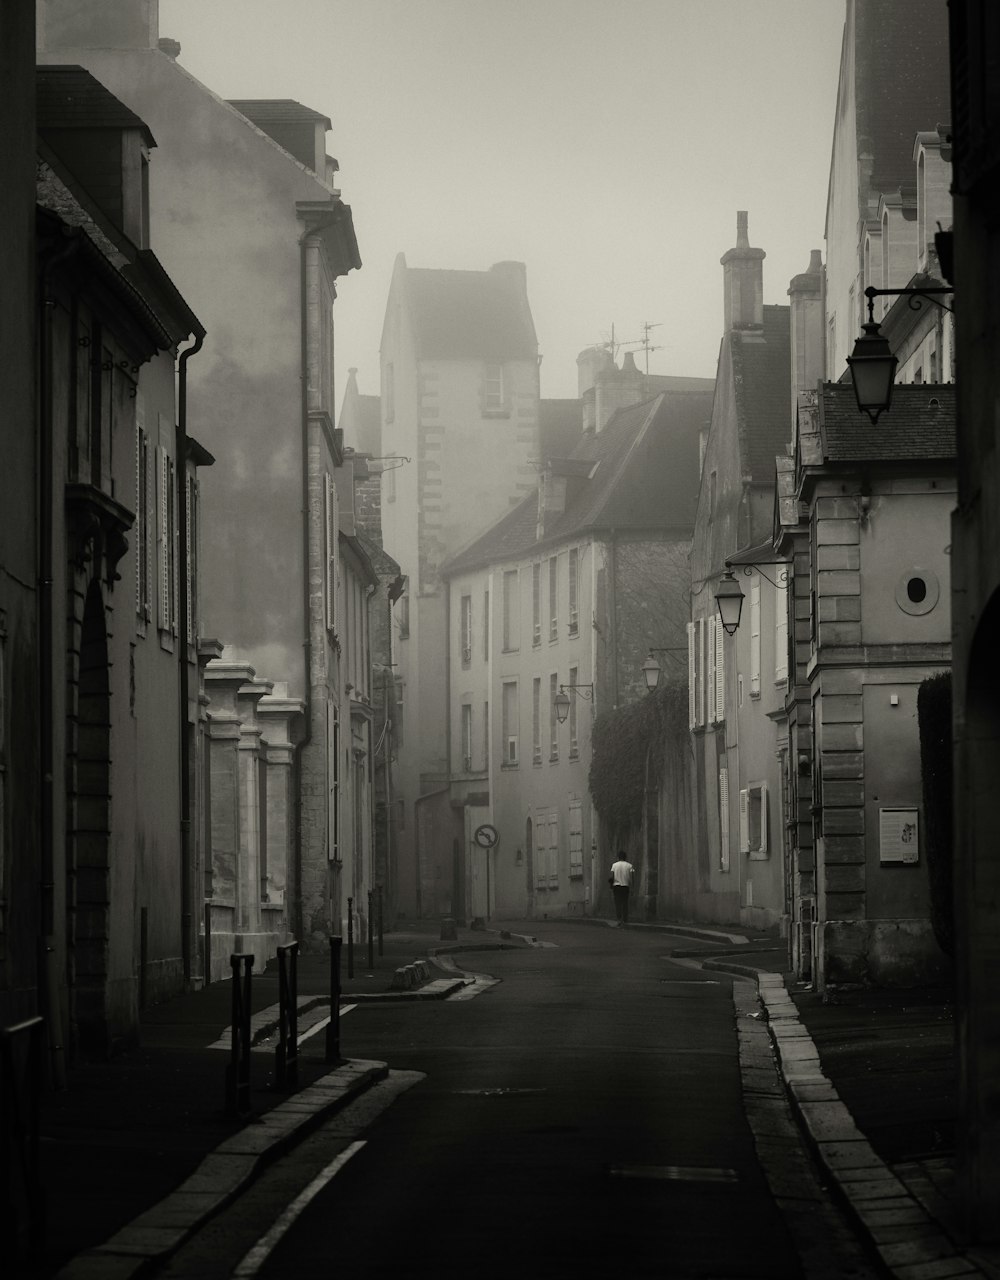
<point>286,1053</point>
<point>238,1070</point>
<point>350,937</point>
<point>380,947</point>
<point>333,1026</point>
<point>371,933</point>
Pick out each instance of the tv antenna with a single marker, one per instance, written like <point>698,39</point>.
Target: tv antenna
<point>613,345</point>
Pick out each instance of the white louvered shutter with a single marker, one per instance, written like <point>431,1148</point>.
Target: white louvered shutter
<point>763,817</point>
<point>720,671</point>
<point>724,817</point>
<point>692,689</point>
<point>744,821</point>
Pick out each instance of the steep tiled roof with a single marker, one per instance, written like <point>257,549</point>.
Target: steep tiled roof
<point>277,111</point>
<point>920,425</point>
<point>645,478</point>
<point>762,372</point>
<point>463,314</point>
<point>70,98</point>
<point>560,425</point>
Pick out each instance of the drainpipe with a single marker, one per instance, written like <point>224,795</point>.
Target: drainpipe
<point>48,984</point>
<point>613,604</point>
<point>306,739</point>
<point>180,450</point>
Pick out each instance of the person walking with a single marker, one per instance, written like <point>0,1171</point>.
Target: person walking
<point>621,880</point>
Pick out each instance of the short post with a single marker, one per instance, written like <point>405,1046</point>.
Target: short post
<point>371,932</point>
<point>286,1053</point>
<point>380,948</point>
<point>238,1070</point>
<point>333,1026</point>
<point>350,937</point>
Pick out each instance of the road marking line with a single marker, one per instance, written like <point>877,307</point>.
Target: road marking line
<point>225,1040</point>
<point>252,1262</point>
<point>673,1173</point>
<point>318,1026</point>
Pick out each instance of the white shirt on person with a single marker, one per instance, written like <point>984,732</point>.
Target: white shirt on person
<point>623,873</point>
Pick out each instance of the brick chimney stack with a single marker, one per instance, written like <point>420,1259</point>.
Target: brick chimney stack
<point>743,281</point>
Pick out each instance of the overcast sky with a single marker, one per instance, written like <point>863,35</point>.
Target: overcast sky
<point>608,145</point>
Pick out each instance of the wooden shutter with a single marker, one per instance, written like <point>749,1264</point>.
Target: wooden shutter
<point>189,559</point>
<point>554,850</point>
<point>163,538</point>
<point>724,817</point>
<point>330,549</point>
<point>755,637</point>
<point>720,671</point>
<point>781,634</point>
<point>744,821</point>
<point>575,838</point>
<point>763,817</point>
<point>692,690</point>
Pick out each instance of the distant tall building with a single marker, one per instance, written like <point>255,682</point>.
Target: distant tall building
<point>460,444</point>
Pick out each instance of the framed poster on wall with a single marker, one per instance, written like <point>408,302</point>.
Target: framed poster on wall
<point>898,836</point>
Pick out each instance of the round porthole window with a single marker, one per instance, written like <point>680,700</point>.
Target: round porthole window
<point>917,591</point>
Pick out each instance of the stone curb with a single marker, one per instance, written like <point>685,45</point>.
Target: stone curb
<point>910,1243</point>
<point>682,930</point>
<point>222,1175</point>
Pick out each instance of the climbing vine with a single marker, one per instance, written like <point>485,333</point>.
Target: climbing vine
<point>623,741</point>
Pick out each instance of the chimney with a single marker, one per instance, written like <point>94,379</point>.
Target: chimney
<point>171,48</point>
<point>808,328</point>
<point>110,24</point>
<point>616,389</point>
<point>743,281</point>
<point>551,499</point>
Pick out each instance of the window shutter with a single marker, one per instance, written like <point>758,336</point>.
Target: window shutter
<point>189,565</point>
<point>330,548</point>
<point>720,671</point>
<point>692,719</point>
<point>541,852</point>
<point>138,503</point>
<point>724,817</point>
<point>174,542</point>
<point>744,822</point>
<point>755,636</point>
<point>554,851</point>
<point>163,539</point>
<point>763,817</point>
<point>710,670</point>
<point>575,838</point>
<point>781,634</point>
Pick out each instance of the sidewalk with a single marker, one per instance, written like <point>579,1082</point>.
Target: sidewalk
<point>872,1078</point>
<point>129,1132</point>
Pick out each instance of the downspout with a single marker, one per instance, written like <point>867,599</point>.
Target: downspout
<point>613,603</point>
<point>306,738</point>
<point>180,449</point>
<point>48,986</point>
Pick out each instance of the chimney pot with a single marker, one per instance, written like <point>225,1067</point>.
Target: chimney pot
<point>170,47</point>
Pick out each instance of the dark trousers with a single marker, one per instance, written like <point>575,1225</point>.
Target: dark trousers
<point>621,902</point>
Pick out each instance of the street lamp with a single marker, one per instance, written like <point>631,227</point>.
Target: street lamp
<point>561,700</point>
<point>729,598</point>
<point>872,363</point>
<point>651,669</point>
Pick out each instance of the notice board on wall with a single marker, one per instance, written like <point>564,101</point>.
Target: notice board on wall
<point>898,836</point>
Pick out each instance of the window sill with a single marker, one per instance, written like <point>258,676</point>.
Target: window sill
<point>496,413</point>
<point>510,766</point>
<point>553,757</point>
<point>536,759</point>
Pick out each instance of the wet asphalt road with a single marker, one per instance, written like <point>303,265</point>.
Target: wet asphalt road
<point>582,1117</point>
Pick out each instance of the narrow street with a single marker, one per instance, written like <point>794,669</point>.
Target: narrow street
<point>582,1117</point>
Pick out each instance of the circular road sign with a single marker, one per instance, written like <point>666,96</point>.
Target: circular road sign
<point>486,836</point>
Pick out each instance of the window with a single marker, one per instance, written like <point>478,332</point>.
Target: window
<point>466,626</point>
<point>724,818</point>
<point>547,850</point>
<point>536,604</point>
<point>574,750</point>
<point>780,634</point>
<point>330,550</point>
<point>511,620</point>
<point>166,540</point>
<point>493,388</point>
<point>553,718</point>
<point>575,839</point>
<point>755,637</point>
<point>486,624</point>
<point>466,738</point>
<point>554,598</point>
<point>486,737</point>
<point>143,603</point>
<point>403,613</point>
<point>536,720</point>
<point>510,732</point>
<point>574,574</point>
<point>753,820</point>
